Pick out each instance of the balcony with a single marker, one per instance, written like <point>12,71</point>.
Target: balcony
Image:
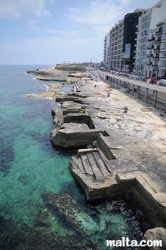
<point>162,66</point>
<point>163,49</point>
<point>163,58</point>
<point>144,34</point>
<point>163,40</point>
<point>164,30</point>
<point>159,33</point>
<point>151,39</point>
<point>155,65</point>
<point>156,58</point>
<point>150,47</point>
<point>149,55</point>
<point>149,63</point>
<point>158,41</point>
<point>157,50</point>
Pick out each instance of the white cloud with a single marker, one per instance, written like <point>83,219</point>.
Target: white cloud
<point>102,30</point>
<point>99,12</point>
<point>10,9</point>
<point>124,1</point>
<point>109,11</point>
<point>103,14</point>
<point>74,10</point>
<point>68,33</point>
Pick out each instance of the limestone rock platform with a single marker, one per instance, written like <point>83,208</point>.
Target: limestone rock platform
<point>128,151</point>
<point>111,170</point>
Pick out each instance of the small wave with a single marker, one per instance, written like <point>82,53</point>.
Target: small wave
<point>47,87</point>
<point>36,96</point>
<point>50,98</point>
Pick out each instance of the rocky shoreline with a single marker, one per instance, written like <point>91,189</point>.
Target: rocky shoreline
<point>56,75</point>
<point>130,146</point>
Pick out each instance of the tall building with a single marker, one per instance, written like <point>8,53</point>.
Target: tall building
<point>129,35</point>
<point>115,47</point>
<point>161,39</point>
<point>149,58</point>
<point>151,62</point>
<point>106,45</point>
<point>141,42</point>
<point>138,42</point>
<point>121,50</point>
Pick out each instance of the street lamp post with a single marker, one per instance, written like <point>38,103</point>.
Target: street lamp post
<point>91,60</point>
<point>97,60</point>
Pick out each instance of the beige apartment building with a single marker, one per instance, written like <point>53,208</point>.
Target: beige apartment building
<point>119,55</point>
<point>115,49</point>
<point>106,46</point>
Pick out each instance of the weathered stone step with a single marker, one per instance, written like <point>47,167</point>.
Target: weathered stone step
<point>78,164</point>
<point>93,162</point>
<point>86,164</point>
<point>109,164</point>
<point>101,164</point>
<point>96,170</point>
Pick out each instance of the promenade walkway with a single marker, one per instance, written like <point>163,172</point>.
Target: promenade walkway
<point>153,92</point>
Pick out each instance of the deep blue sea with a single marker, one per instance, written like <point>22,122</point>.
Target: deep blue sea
<point>30,167</point>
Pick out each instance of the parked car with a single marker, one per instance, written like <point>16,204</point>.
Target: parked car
<point>162,82</point>
<point>133,76</point>
<point>123,74</point>
<point>138,77</point>
<point>153,80</point>
<point>144,78</point>
<point>128,75</point>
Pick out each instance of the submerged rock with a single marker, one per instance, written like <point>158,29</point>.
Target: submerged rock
<point>21,236</point>
<point>42,218</point>
<point>69,210</point>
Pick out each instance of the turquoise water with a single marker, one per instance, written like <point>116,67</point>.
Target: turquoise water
<point>31,167</point>
<point>29,164</point>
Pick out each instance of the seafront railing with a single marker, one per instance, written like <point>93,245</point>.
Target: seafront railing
<point>149,93</point>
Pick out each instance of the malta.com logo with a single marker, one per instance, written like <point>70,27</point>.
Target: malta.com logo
<point>126,242</point>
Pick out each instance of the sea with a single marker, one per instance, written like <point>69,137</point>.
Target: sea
<point>31,167</point>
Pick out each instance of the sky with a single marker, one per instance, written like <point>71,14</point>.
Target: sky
<point>47,32</point>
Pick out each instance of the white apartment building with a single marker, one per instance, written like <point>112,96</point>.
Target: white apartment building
<point>149,59</point>
<point>141,42</point>
<point>106,46</point>
<point>161,40</point>
<point>151,64</point>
